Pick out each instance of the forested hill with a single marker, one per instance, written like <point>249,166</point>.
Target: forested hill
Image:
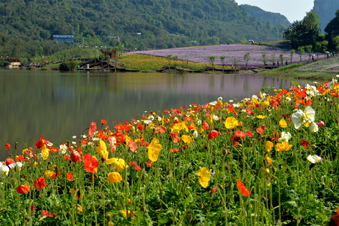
<point>326,11</point>
<point>162,23</point>
<point>264,16</point>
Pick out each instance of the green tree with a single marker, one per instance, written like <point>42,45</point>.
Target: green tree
<point>235,61</point>
<point>309,51</point>
<point>292,52</point>
<point>318,47</point>
<point>212,60</point>
<point>222,59</point>
<point>273,58</point>
<point>264,58</point>
<point>282,59</point>
<point>301,52</point>
<point>336,41</point>
<point>247,58</point>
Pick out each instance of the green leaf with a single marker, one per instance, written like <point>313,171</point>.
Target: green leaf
<point>296,84</point>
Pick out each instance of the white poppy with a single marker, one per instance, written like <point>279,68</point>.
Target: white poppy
<point>148,121</point>
<point>301,117</point>
<point>4,170</point>
<point>213,103</point>
<point>219,98</point>
<point>74,137</point>
<point>314,127</point>
<point>285,137</point>
<point>96,138</point>
<point>311,90</point>
<point>159,119</point>
<point>314,159</point>
<point>195,134</point>
<point>216,118</point>
<point>199,122</point>
<point>231,101</point>
<point>151,117</point>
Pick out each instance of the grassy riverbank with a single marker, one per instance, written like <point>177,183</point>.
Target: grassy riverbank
<point>255,162</point>
<point>294,71</point>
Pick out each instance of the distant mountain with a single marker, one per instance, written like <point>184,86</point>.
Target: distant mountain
<point>264,16</point>
<point>155,24</point>
<point>326,11</point>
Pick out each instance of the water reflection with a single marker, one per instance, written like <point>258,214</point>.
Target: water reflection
<point>59,105</point>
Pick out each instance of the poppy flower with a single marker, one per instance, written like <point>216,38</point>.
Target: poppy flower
<point>268,146</point>
<point>40,143</point>
<point>138,168</point>
<point>46,214</point>
<point>130,214</point>
<point>204,176</point>
<point>174,150</point>
<point>114,177</point>
<point>261,129</point>
<point>103,122</point>
<point>154,149</point>
<point>77,193</point>
<point>22,189</point>
<point>305,143</point>
<point>205,125</point>
<point>242,188</point>
<point>66,157</point>
<point>275,135</point>
<point>134,163</point>
<point>56,175</point>
<point>40,183</point>
<point>118,163</point>
<point>92,128</point>
<point>320,124</point>
<point>187,139</point>
<point>32,208</point>
<point>70,176</point>
<point>261,116</point>
<point>282,123</point>
<point>175,137</point>
<point>149,163</point>
<point>269,160</point>
<point>283,146</point>
<point>102,149</point>
<point>133,146</point>
<point>90,163</point>
<point>9,161</point>
<point>231,122</point>
<point>314,159</point>
<point>214,189</point>
<point>8,146</point>
<point>213,134</point>
<point>112,142</point>
<point>75,156</point>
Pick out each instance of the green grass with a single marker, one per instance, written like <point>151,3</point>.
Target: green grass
<point>53,66</point>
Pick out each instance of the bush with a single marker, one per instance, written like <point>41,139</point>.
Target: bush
<point>4,63</point>
<point>67,66</point>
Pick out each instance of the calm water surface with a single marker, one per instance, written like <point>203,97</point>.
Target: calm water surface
<point>59,105</point>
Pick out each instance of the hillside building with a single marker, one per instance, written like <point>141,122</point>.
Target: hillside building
<point>63,38</point>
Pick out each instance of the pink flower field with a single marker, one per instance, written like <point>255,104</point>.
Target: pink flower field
<point>201,54</point>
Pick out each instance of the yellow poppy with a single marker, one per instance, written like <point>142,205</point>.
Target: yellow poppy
<point>130,214</point>
<point>261,116</point>
<point>283,147</point>
<point>269,145</point>
<point>102,149</point>
<point>282,123</point>
<point>269,160</point>
<point>114,177</point>
<point>231,122</point>
<point>44,152</point>
<point>118,164</point>
<point>204,176</point>
<point>265,104</point>
<point>49,173</point>
<point>154,149</point>
<point>186,139</point>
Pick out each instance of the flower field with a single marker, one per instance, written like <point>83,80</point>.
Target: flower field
<point>201,54</point>
<point>148,62</point>
<point>270,159</point>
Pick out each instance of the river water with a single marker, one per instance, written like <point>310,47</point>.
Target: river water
<point>58,105</point>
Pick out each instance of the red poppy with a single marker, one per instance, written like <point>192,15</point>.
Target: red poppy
<point>305,143</point>
<point>56,175</point>
<point>242,188</point>
<point>285,115</point>
<point>205,125</point>
<point>8,146</point>
<point>22,189</point>
<point>46,214</point>
<point>9,161</point>
<point>92,128</point>
<point>40,143</point>
<point>66,157</point>
<point>241,134</point>
<point>149,163</point>
<point>175,150</point>
<point>138,168</point>
<point>32,208</point>
<point>213,134</point>
<point>120,137</point>
<point>320,124</point>
<point>134,163</point>
<point>159,129</point>
<point>75,156</point>
<point>214,189</point>
<point>140,127</point>
<point>103,122</point>
<point>40,183</point>
<point>133,146</point>
<point>231,109</point>
<point>175,137</point>
<point>90,163</point>
<point>275,135</point>
<point>20,158</point>
<point>261,129</point>
<point>70,176</point>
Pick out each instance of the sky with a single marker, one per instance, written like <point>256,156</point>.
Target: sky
<point>292,9</point>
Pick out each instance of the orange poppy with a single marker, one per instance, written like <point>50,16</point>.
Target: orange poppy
<point>40,183</point>
<point>242,188</point>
